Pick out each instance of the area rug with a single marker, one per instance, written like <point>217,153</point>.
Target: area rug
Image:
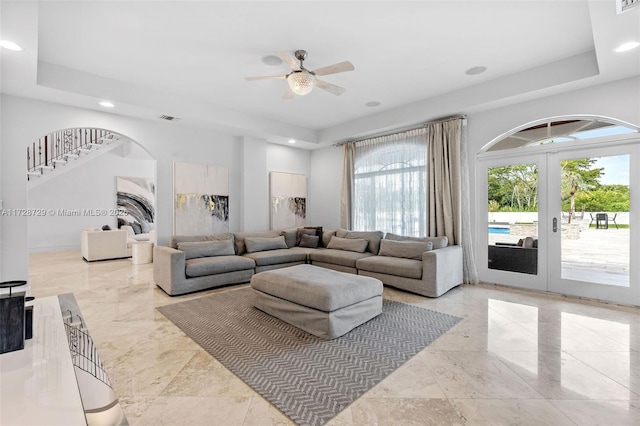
<point>308,379</point>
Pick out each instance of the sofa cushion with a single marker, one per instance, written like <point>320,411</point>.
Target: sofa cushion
<point>338,257</point>
<point>196,249</point>
<point>326,237</point>
<point>240,236</point>
<point>175,239</point>
<point>373,237</point>
<point>397,266</point>
<point>217,265</point>
<point>438,242</point>
<point>358,245</point>
<point>309,241</point>
<point>275,257</point>
<point>256,244</point>
<point>290,236</point>
<point>405,249</point>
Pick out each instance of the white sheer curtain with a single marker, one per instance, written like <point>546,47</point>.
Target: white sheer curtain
<point>388,189</point>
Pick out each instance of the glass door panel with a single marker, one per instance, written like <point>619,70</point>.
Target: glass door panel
<point>512,232</point>
<point>590,198</point>
<point>595,219</point>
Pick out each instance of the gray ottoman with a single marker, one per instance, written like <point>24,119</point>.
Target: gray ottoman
<point>320,301</point>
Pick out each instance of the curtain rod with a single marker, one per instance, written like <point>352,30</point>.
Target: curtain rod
<point>400,130</point>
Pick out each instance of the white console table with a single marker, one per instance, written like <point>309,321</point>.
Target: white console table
<point>38,384</point>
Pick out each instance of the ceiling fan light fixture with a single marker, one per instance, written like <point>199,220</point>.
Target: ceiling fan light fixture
<point>301,82</point>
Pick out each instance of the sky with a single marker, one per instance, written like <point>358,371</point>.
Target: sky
<point>616,169</point>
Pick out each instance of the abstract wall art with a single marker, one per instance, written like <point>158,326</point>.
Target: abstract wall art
<point>136,200</point>
<point>288,200</point>
<point>201,199</point>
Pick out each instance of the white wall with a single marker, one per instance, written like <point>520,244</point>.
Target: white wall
<point>325,186</point>
<point>88,186</point>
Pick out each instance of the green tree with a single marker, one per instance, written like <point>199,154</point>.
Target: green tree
<point>578,175</point>
<point>514,188</point>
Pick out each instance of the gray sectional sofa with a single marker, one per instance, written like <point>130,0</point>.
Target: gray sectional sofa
<point>426,266</point>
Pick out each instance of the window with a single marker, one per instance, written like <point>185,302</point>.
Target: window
<point>568,129</point>
<point>390,178</point>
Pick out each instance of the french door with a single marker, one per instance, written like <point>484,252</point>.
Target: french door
<point>563,221</point>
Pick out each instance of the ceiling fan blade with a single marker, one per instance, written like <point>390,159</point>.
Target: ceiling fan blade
<point>265,77</point>
<point>335,68</point>
<point>288,59</point>
<point>288,95</point>
<point>329,87</point>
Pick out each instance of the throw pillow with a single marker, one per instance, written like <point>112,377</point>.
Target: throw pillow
<point>405,249</point>
<point>177,239</point>
<point>303,231</point>
<point>528,242</point>
<point>318,232</point>
<point>359,245</point>
<point>106,228</point>
<point>145,227</point>
<point>309,241</point>
<point>137,229</point>
<point>438,242</point>
<point>197,249</point>
<point>373,237</point>
<point>255,244</point>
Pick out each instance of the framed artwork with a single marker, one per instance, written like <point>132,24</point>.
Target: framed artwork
<point>201,199</point>
<point>136,200</point>
<point>288,195</point>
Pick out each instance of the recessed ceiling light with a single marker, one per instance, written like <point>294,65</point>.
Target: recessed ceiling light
<point>475,70</point>
<point>292,141</point>
<point>372,104</point>
<point>626,47</point>
<point>107,104</point>
<point>271,60</point>
<point>10,45</point>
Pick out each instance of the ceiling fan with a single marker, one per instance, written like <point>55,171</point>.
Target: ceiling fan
<point>301,80</point>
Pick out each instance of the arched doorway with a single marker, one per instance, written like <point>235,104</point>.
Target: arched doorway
<point>78,178</point>
<point>558,199</point>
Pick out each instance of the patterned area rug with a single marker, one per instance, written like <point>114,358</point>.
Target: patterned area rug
<point>309,379</point>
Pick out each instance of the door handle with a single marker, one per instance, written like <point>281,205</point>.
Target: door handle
<point>555,224</point>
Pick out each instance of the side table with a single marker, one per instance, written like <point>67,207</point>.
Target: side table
<point>141,252</point>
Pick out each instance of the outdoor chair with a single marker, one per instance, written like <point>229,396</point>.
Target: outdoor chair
<point>602,221</point>
<point>613,219</point>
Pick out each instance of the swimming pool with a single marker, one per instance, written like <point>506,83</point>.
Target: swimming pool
<point>499,230</point>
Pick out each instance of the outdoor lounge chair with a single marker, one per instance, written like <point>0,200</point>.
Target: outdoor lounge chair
<point>613,219</point>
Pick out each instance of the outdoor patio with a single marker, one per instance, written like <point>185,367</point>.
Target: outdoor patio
<point>598,255</point>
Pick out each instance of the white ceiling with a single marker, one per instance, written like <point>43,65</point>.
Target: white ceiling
<point>189,59</point>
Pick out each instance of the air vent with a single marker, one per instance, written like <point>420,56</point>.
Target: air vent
<point>624,5</point>
<point>169,118</point>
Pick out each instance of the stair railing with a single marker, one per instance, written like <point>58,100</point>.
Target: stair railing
<point>56,147</point>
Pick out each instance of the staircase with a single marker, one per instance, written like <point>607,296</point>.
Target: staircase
<point>54,152</point>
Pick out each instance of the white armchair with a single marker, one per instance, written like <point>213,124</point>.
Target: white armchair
<point>102,245</point>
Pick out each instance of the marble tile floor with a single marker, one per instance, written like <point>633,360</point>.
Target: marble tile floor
<point>517,357</point>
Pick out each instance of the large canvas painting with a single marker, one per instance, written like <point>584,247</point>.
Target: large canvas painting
<point>201,199</point>
<point>136,200</point>
<point>288,200</point>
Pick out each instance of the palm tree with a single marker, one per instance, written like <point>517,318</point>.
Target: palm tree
<point>578,175</point>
